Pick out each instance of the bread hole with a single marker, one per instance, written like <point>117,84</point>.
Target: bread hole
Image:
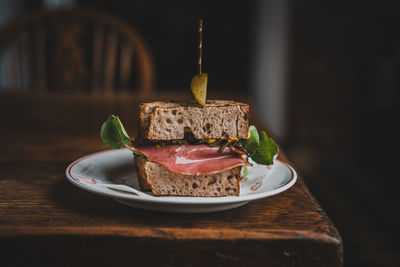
<point>212,181</point>
<point>174,112</point>
<point>234,189</point>
<point>219,189</point>
<point>168,120</point>
<point>207,127</point>
<point>180,113</point>
<point>194,185</point>
<point>165,111</point>
<point>186,184</point>
<point>190,121</point>
<point>227,189</point>
<point>236,176</point>
<point>180,121</point>
<point>204,188</point>
<point>225,135</point>
<point>230,177</point>
<point>168,130</point>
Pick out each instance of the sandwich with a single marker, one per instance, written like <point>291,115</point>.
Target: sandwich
<point>195,149</point>
<point>189,148</point>
<point>186,149</point>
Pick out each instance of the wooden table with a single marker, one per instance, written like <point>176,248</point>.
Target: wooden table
<point>46,220</point>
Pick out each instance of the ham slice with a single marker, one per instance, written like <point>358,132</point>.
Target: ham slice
<point>194,159</point>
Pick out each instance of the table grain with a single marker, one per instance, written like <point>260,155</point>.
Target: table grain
<point>45,220</point>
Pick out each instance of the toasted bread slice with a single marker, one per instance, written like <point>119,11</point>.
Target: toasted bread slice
<point>218,119</point>
<point>162,182</point>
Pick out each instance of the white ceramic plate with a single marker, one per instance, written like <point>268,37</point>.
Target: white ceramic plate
<point>111,173</point>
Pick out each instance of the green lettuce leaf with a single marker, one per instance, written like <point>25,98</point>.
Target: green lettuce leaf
<point>114,135</point>
<point>259,147</point>
<point>251,144</point>
<point>266,150</point>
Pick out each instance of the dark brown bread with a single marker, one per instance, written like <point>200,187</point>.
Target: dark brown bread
<point>169,120</point>
<point>162,182</point>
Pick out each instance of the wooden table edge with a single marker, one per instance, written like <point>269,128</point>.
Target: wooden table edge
<point>170,233</point>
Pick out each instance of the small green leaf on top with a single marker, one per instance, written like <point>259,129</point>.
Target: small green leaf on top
<point>266,150</point>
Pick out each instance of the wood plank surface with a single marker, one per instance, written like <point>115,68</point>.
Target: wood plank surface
<point>44,218</point>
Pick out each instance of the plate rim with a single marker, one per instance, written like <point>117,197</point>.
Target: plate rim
<point>176,200</point>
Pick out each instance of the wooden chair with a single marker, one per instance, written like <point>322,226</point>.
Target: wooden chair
<point>73,50</point>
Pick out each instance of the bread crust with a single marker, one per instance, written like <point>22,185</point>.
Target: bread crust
<point>162,182</point>
<point>169,120</point>
<point>142,175</point>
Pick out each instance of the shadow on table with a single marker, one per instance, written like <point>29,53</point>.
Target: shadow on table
<point>86,207</point>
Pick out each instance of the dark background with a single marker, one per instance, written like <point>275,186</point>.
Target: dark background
<point>342,84</point>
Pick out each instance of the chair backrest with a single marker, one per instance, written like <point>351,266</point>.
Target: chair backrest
<point>73,50</point>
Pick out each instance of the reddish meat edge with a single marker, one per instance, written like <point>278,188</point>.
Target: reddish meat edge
<point>194,159</point>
